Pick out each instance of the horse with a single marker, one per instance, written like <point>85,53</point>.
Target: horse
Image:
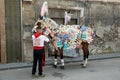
<point>63,37</point>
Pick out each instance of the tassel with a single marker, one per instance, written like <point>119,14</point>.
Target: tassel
<point>55,61</point>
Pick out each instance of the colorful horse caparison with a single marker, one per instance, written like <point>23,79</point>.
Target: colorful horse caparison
<point>65,37</point>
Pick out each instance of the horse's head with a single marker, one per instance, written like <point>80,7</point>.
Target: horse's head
<point>48,25</point>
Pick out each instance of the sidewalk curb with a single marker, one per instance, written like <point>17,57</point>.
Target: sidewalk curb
<point>50,61</point>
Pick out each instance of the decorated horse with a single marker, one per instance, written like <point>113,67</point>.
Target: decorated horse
<point>65,40</point>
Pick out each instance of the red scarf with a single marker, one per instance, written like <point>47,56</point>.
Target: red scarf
<point>37,34</point>
<point>43,60</point>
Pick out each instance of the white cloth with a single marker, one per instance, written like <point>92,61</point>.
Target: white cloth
<point>44,8</point>
<point>67,17</point>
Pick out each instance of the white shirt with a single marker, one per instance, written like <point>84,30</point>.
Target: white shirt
<point>39,41</point>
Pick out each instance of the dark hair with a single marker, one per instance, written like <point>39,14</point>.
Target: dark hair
<point>38,24</point>
<point>39,27</point>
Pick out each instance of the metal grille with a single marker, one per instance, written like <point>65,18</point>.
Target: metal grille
<point>13,30</point>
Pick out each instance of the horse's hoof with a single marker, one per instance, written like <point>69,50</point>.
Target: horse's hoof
<point>84,66</point>
<point>55,66</point>
<point>62,67</point>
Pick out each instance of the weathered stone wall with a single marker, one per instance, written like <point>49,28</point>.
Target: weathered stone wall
<point>28,20</point>
<point>103,17</point>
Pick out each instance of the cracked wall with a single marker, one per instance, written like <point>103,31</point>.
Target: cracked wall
<point>104,18</point>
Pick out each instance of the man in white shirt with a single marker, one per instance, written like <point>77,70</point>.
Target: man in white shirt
<point>38,50</point>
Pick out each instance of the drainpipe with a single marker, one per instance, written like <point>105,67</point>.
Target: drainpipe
<point>22,46</point>
<point>90,15</point>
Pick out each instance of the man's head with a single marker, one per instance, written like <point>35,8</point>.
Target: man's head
<point>39,29</point>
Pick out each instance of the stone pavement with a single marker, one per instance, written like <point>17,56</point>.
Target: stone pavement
<point>105,69</point>
<point>49,61</point>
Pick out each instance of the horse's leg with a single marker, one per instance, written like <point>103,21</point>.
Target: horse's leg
<point>61,56</point>
<point>55,58</point>
<point>85,49</point>
<point>87,55</point>
<point>85,58</point>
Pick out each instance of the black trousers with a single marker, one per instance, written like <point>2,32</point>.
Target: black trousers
<point>59,51</point>
<point>37,58</point>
